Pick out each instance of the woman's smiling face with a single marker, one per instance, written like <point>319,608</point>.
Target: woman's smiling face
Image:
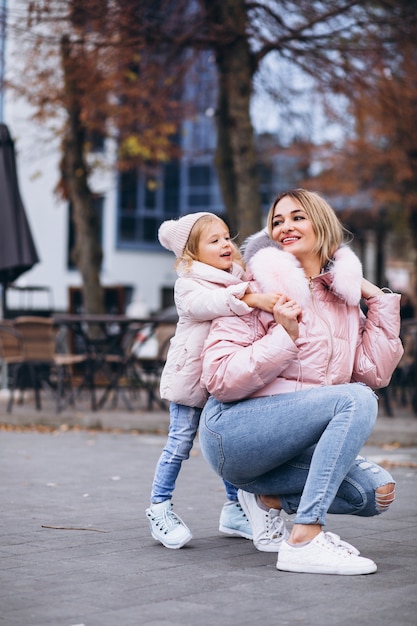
<point>293,230</point>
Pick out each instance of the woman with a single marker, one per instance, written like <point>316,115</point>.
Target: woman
<point>291,401</point>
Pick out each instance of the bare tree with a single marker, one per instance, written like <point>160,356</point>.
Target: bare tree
<point>379,155</point>
<point>122,62</point>
<point>91,68</point>
<point>325,40</point>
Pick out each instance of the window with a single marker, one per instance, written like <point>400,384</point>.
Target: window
<point>145,201</point>
<point>199,182</point>
<point>171,188</point>
<point>266,177</point>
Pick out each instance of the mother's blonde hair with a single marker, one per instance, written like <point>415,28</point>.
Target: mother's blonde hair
<point>190,252</point>
<point>326,225</point>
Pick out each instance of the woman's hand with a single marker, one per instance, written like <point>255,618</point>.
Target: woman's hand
<point>288,313</point>
<point>368,289</point>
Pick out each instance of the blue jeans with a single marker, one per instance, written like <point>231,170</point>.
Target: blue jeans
<point>183,426</point>
<point>301,447</point>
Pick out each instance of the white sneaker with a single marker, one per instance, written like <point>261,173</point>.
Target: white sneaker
<point>268,528</point>
<point>166,526</point>
<point>342,543</point>
<point>325,554</point>
<point>233,521</point>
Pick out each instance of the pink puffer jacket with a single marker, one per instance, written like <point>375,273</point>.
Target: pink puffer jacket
<point>201,294</point>
<point>253,356</point>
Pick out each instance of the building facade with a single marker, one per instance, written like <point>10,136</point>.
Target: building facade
<point>131,205</point>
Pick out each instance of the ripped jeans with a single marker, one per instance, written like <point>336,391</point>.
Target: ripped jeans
<point>183,426</point>
<point>301,447</point>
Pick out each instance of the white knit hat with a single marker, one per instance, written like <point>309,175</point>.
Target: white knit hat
<point>173,234</point>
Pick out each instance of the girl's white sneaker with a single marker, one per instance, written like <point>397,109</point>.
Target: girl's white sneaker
<point>233,521</point>
<point>166,526</point>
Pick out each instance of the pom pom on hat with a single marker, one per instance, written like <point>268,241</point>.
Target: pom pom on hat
<point>173,234</point>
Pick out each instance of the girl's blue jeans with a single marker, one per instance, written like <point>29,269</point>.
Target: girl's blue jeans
<point>301,447</point>
<point>183,426</point>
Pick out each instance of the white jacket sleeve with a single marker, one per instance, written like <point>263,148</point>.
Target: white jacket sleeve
<point>197,302</point>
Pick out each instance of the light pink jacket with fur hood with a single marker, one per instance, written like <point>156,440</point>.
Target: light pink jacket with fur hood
<point>201,294</point>
<point>254,356</point>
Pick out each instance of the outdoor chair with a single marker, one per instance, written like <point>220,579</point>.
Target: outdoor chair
<point>41,365</point>
<point>11,351</point>
<point>145,361</point>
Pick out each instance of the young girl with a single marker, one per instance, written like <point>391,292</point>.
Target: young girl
<point>210,284</point>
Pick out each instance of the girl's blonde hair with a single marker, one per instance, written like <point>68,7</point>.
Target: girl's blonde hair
<point>190,252</point>
<point>326,225</point>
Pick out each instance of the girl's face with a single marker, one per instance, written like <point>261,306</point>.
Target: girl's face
<point>215,247</point>
<point>293,230</point>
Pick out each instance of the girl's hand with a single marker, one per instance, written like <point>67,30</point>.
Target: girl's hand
<point>368,289</point>
<point>288,314</point>
<point>264,301</point>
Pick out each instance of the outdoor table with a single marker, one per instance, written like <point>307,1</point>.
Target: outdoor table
<point>104,338</point>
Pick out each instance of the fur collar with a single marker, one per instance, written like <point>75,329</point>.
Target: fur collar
<point>276,270</point>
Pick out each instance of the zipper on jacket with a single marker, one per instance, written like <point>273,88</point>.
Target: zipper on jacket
<point>325,322</point>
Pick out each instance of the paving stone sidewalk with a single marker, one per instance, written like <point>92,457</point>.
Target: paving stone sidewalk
<point>76,549</point>
<point>401,429</point>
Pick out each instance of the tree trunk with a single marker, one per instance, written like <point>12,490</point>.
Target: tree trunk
<point>87,254</point>
<point>236,155</point>
<point>224,160</point>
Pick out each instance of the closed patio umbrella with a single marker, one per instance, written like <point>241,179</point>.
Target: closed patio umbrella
<point>17,249</point>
